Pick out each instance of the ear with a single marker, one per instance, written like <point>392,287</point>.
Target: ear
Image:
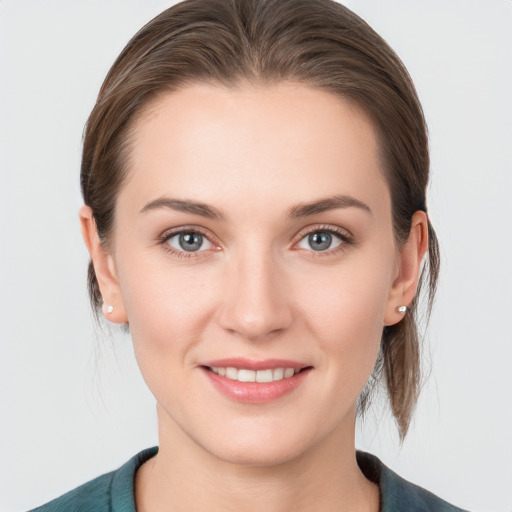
<point>104,268</point>
<point>403,288</point>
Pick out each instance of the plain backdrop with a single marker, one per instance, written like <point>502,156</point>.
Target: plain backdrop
<point>73,405</point>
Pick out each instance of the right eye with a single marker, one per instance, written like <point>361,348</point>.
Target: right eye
<point>187,242</point>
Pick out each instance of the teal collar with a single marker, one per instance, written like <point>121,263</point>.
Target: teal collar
<point>396,494</point>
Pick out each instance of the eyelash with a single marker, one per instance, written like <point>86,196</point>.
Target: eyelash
<point>164,238</point>
<point>347,240</point>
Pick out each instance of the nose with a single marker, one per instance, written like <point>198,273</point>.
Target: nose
<point>256,303</point>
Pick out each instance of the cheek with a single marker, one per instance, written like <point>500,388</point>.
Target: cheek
<point>351,297</point>
<point>167,307</point>
<point>168,310</point>
<point>345,310</point>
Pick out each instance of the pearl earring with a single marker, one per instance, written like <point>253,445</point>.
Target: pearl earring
<point>401,309</point>
<point>108,309</point>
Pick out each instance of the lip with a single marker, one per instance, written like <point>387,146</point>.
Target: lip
<point>255,392</point>
<point>250,364</point>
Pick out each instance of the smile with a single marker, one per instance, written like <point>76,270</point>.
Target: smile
<point>255,382</point>
<point>246,375</point>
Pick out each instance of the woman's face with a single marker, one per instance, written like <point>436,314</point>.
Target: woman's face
<point>253,240</point>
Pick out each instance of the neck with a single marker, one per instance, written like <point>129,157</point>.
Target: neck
<point>183,476</point>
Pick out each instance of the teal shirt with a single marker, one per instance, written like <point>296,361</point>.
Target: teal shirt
<point>113,492</point>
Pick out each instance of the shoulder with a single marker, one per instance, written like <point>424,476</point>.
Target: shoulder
<point>397,494</point>
<point>110,492</point>
<point>93,495</point>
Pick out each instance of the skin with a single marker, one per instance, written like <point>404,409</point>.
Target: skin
<point>256,289</point>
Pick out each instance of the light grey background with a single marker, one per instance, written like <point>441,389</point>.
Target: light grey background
<point>73,404</point>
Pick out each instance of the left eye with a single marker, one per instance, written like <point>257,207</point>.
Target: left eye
<point>189,241</point>
<point>320,241</point>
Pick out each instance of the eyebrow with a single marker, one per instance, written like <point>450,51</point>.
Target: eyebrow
<point>181,205</point>
<point>326,205</point>
<point>298,211</point>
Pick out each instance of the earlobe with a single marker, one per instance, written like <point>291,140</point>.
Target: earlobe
<point>104,268</point>
<point>405,283</point>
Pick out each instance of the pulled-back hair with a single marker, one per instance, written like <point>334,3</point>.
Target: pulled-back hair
<point>319,43</point>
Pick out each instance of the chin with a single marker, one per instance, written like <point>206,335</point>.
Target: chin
<point>252,456</point>
<point>259,447</point>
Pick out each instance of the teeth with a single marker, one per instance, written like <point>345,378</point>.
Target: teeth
<point>264,376</point>
<point>232,373</point>
<point>278,374</point>
<point>246,375</point>
<point>288,372</point>
<point>243,375</point>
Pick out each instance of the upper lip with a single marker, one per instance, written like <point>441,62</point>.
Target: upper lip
<point>251,364</point>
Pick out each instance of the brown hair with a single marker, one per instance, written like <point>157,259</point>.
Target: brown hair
<point>319,43</point>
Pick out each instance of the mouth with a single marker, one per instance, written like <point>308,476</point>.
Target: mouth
<point>248,375</point>
<point>254,382</point>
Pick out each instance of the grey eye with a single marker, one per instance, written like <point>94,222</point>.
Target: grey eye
<point>189,241</point>
<point>320,241</point>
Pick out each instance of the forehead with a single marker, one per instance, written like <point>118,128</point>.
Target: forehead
<point>285,142</point>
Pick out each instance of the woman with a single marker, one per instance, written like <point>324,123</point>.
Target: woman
<point>254,177</point>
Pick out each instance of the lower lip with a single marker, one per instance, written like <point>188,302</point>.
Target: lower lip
<point>256,392</point>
